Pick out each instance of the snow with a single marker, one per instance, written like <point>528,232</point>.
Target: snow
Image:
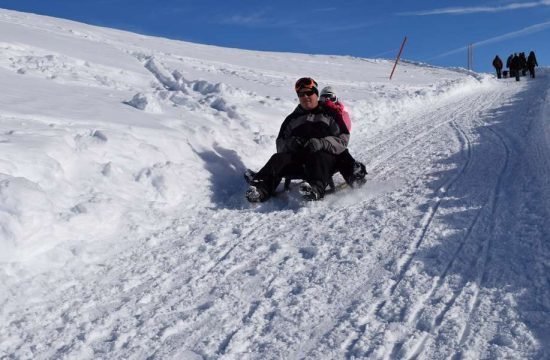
<point>124,232</point>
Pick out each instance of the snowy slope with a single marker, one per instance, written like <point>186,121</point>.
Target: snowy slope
<point>124,232</point>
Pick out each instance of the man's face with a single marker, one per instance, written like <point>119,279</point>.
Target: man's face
<point>308,99</point>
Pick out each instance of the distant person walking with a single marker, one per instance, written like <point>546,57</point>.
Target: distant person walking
<point>523,62</point>
<point>497,63</point>
<point>515,66</point>
<point>531,63</point>
<point>509,64</point>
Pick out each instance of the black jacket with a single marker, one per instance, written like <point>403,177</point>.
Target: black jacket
<point>318,123</point>
<point>515,64</point>
<point>532,60</point>
<point>497,63</point>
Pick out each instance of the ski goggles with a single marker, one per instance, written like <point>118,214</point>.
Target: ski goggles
<point>306,83</point>
<point>330,97</point>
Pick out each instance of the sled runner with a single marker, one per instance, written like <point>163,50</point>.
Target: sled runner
<point>331,186</point>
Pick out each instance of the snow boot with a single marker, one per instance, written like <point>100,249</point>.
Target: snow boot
<point>309,193</point>
<point>256,193</point>
<point>358,177</point>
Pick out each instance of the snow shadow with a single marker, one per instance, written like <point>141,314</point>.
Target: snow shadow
<point>226,180</point>
<point>497,240</point>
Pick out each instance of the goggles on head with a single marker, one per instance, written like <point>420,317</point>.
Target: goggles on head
<point>305,83</point>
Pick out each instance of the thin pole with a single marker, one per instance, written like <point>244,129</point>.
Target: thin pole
<point>472,57</point>
<point>468,58</point>
<point>398,56</point>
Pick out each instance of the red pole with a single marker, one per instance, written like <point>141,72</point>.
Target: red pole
<point>398,56</point>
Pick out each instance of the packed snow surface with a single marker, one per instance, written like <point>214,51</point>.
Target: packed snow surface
<point>124,232</point>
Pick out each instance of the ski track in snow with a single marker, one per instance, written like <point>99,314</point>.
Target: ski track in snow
<point>412,314</point>
<point>443,254</point>
<point>405,260</point>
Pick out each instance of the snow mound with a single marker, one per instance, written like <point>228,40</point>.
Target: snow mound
<point>145,102</point>
<point>25,210</point>
<point>38,62</point>
<point>173,89</point>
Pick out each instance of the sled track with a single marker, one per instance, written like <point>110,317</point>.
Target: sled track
<point>438,318</point>
<point>354,305</point>
<point>386,149</point>
<point>482,276</point>
<point>491,205</point>
<point>406,259</point>
<point>414,316</point>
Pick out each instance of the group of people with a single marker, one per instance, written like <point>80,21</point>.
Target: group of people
<point>516,64</point>
<point>311,145</point>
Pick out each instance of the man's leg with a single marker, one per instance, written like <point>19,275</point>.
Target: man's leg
<point>344,164</point>
<point>319,167</point>
<point>352,171</point>
<point>279,165</point>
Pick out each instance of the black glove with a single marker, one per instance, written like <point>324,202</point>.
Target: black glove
<point>296,143</point>
<point>313,145</point>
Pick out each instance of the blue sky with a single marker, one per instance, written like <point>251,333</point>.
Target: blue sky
<point>438,32</point>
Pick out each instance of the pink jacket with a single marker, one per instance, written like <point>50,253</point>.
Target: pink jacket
<point>340,111</point>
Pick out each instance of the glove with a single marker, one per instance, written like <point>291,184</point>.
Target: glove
<point>297,143</point>
<point>313,145</point>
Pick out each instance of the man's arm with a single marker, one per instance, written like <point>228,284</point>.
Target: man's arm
<point>285,142</point>
<point>335,144</point>
<point>337,141</point>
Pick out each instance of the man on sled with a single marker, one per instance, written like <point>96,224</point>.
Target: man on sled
<point>311,145</point>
